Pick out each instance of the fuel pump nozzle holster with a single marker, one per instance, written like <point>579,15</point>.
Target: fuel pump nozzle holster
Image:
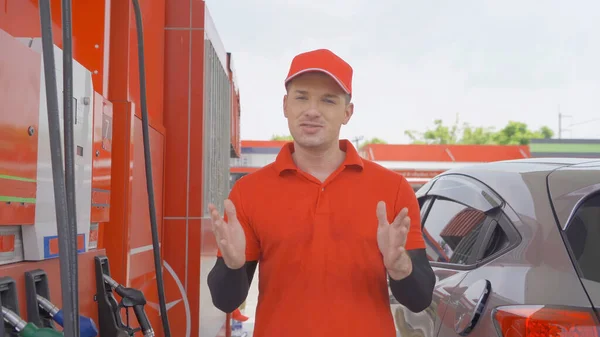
<point>109,310</point>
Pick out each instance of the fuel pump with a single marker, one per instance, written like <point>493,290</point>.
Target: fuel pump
<point>87,326</point>
<point>25,329</point>
<point>132,298</point>
<point>109,310</point>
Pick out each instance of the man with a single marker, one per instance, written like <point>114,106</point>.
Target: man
<point>328,227</point>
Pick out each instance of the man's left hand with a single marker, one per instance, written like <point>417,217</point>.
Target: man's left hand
<point>391,238</point>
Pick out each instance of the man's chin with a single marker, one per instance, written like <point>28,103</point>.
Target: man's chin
<point>310,142</point>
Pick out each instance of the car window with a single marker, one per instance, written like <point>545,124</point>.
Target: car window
<point>451,230</point>
<point>498,241</point>
<point>583,235</point>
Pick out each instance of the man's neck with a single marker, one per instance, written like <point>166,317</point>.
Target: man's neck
<point>319,163</point>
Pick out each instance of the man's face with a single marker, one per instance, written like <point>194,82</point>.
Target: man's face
<point>316,107</point>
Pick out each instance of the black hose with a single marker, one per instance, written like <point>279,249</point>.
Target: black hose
<point>69,141</point>
<point>60,196</point>
<point>149,182</point>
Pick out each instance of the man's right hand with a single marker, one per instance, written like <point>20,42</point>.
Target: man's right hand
<point>230,235</point>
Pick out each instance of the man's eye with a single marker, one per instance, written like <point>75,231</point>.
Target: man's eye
<point>329,101</point>
<point>301,97</point>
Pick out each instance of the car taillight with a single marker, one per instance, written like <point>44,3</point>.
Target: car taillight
<point>543,321</point>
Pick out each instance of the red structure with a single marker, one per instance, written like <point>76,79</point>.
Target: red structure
<point>193,107</point>
<point>418,163</point>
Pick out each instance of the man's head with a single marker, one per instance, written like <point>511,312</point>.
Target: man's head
<point>317,103</point>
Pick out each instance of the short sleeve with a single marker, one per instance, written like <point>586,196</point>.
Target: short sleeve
<point>252,243</point>
<point>406,198</point>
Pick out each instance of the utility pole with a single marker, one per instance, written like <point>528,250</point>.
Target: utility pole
<point>560,118</point>
<point>357,140</point>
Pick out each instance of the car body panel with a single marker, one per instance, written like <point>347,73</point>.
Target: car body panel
<point>569,185</point>
<point>536,266</point>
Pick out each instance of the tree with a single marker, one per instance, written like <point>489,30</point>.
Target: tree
<point>517,133</point>
<point>477,135</point>
<point>282,137</point>
<point>440,134</point>
<point>375,140</point>
<point>514,133</point>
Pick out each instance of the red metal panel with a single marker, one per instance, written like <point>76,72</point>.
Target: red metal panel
<point>445,153</point>
<point>153,19</point>
<point>177,57</point>
<point>20,97</point>
<point>141,235</point>
<point>86,275</point>
<point>22,19</point>
<point>184,100</point>
<point>197,113</point>
<point>264,143</point>
<point>102,139</point>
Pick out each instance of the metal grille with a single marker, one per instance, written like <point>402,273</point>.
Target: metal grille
<point>217,115</point>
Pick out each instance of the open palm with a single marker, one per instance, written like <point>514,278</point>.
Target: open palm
<point>230,235</point>
<point>391,239</point>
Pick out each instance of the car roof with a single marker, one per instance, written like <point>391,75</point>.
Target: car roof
<point>523,166</point>
<point>569,180</point>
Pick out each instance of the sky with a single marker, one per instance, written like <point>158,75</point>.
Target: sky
<point>485,61</point>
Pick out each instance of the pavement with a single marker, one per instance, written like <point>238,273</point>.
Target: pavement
<point>250,309</point>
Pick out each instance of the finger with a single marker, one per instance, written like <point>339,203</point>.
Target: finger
<point>399,233</point>
<point>403,231</point>
<point>395,255</point>
<point>382,214</point>
<point>219,227</point>
<point>230,210</point>
<point>214,213</point>
<point>219,230</point>
<point>401,215</point>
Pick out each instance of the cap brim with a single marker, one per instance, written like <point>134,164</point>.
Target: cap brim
<point>340,83</point>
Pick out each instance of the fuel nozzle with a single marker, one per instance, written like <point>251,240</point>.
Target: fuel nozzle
<point>132,298</point>
<point>87,327</point>
<point>27,329</point>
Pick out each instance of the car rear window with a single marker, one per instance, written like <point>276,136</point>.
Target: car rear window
<point>583,235</point>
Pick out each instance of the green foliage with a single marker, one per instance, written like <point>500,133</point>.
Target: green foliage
<point>374,140</point>
<point>514,133</point>
<point>282,137</point>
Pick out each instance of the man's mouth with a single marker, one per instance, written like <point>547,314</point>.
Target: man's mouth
<point>310,127</point>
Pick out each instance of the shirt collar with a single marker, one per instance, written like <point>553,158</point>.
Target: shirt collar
<point>285,162</point>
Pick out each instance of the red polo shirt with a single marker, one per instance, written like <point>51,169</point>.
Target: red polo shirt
<point>320,270</point>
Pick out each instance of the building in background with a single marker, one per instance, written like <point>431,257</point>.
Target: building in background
<point>418,163</point>
<point>573,148</point>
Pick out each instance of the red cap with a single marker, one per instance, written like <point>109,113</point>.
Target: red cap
<point>325,61</point>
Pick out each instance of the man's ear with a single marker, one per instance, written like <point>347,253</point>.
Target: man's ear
<point>348,113</point>
<point>285,98</point>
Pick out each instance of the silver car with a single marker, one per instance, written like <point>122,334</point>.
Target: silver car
<point>515,247</point>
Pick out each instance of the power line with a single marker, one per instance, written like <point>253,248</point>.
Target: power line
<point>560,120</point>
<point>585,122</point>
<point>356,141</point>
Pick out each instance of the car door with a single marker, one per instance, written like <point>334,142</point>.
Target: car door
<point>453,213</point>
<point>466,304</point>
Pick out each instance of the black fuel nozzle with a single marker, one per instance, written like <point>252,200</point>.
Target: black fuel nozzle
<point>132,298</point>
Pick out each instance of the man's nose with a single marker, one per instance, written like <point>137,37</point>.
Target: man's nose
<point>313,109</point>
